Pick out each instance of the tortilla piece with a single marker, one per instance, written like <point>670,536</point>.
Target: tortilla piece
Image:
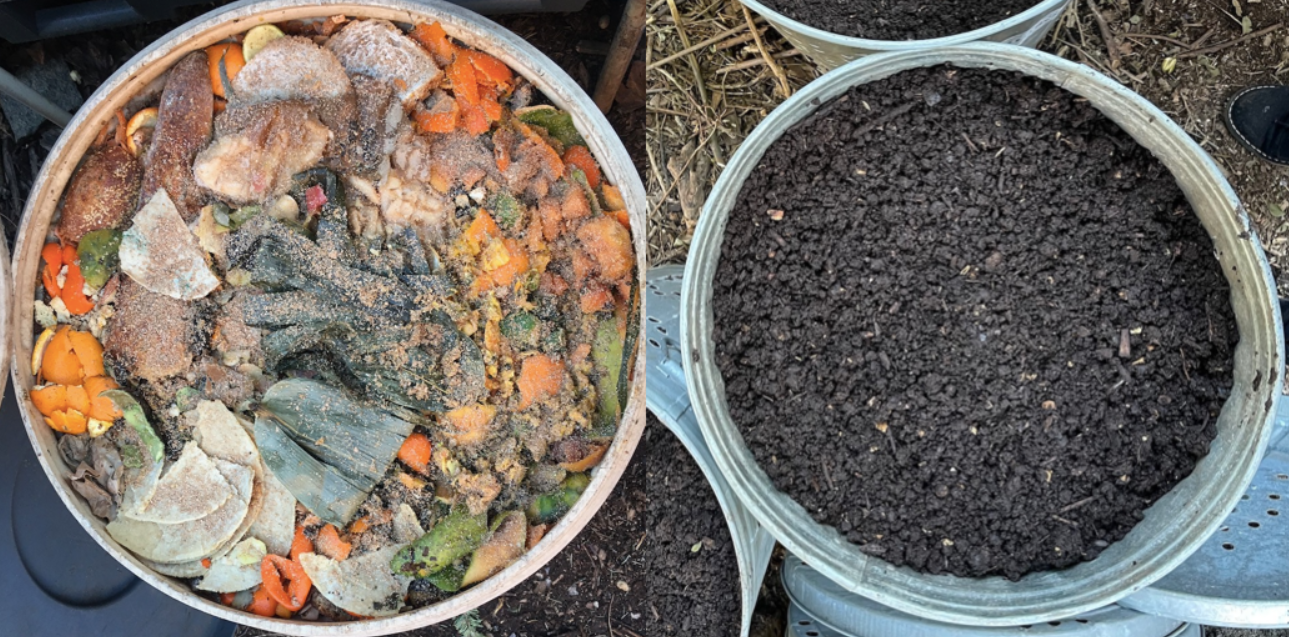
<point>363,585</point>
<point>275,525</point>
<point>162,254</point>
<point>187,541</point>
<point>237,570</point>
<point>139,482</point>
<point>183,570</point>
<point>191,489</point>
<point>221,435</point>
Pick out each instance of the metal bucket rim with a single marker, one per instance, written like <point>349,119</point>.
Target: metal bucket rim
<point>1041,8</point>
<point>196,34</point>
<point>946,598</point>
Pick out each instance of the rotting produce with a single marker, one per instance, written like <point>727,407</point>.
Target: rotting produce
<point>338,321</point>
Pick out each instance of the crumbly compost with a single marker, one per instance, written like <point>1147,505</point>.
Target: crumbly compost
<point>966,320</point>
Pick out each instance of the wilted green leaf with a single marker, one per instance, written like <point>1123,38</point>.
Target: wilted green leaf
<point>451,539</point>
<point>1275,210</point>
<point>138,421</point>
<point>1170,64</point>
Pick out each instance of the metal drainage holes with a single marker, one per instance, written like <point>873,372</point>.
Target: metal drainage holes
<point>1274,496</point>
<point>1228,546</point>
<point>1254,525</point>
<point>1272,512</point>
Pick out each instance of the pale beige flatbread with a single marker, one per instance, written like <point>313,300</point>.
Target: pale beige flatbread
<point>236,570</point>
<point>379,49</point>
<point>188,541</point>
<point>363,585</point>
<point>220,434</point>
<point>190,489</point>
<point>275,524</point>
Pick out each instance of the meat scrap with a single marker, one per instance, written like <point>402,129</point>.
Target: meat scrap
<point>258,148</point>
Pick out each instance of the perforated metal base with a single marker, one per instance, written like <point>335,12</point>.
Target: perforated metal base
<point>1240,577</point>
<point>801,624</point>
<point>827,605</point>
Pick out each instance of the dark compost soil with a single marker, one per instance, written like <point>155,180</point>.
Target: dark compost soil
<point>899,19</point>
<point>985,331</point>
<point>693,571</point>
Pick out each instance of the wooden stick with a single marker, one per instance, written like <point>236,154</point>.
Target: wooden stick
<point>621,51</point>
<point>1111,42</point>
<point>1229,43</point>
<point>693,61</point>
<point>769,61</point>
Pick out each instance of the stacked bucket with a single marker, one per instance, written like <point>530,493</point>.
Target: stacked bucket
<point>1215,550</point>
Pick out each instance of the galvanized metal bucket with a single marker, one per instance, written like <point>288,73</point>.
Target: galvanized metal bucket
<point>830,50</point>
<point>669,401</point>
<point>470,28</point>
<point>822,603</point>
<point>1173,528</point>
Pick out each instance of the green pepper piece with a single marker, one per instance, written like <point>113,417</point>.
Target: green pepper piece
<point>607,353</point>
<point>137,420</point>
<point>520,328</point>
<point>506,210</point>
<point>556,122</point>
<point>548,508</point>
<point>99,255</point>
<point>240,216</point>
<point>451,539</point>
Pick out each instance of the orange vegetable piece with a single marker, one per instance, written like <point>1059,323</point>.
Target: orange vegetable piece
<point>261,604</point>
<point>490,69</point>
<point>503,156</point>
<point>330,544</point>
<point>276,571</point>
<point>231,54</point>
<point>101,407</point>
<point>505,274</point>
<point>609,245</point>
<point>470,423</point>
<point>73,294</point>
<point>227,598</point>
<point>205,562</point>
<point>623,218</point>
<point>580,157</point>
<point>595,298</point>
<point>50,399</point>
<point>540,378</point>
<point>474,119</point>
<point>300,543</point>
<point>60,364</point>
<point>491,108</point>
<point>359,526</point>
<point>52,253</point>
<point>464,84</point>
<point>433,37</point>
<point>439,121</point>
<point>69,422</point>
<point>481,229</point>
<point>283,612</point>
<point>415,453</point>
<point>69,254</point>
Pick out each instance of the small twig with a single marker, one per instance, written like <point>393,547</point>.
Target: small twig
<point>733,42</point>
<point>750,64</point>
<point>1065,521</point>
<point>1161,38</point>
<point>1112,43</point>
<point>693,61</point>
<point>1203,38</point>
<point>970,143</point>
<point>1230,43</point>
<point>769,61</point>
<point>1080,503</point>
